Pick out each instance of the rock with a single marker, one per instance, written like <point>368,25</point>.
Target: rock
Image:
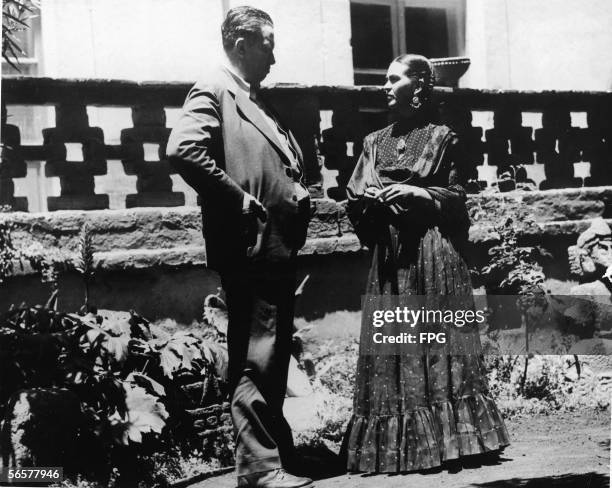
<point>115,316</point>
<point>41,428</point>
<point>597,289</point>
<point>605,375</point>
<point>506,185</point>
<point>592,346</point>
<point>591,310</point>
<point>202,393</point>
<point>301,413</point>
<point>599,229</point>
<point>298,384</point>
<point>218,436</point>
<point>203,413</point>
<point>215,313</point>
<point>597,363</point>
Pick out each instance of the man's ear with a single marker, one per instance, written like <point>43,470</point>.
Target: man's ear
<point>239,46</point>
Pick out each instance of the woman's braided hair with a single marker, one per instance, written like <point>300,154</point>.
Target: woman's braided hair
<point>422,67</point>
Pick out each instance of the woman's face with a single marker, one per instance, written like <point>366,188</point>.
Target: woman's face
<point>400,88</point>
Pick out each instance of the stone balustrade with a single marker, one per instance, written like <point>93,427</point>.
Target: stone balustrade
<point>329,123</point>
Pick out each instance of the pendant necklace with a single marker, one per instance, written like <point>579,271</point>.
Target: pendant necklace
<point>401,146</point>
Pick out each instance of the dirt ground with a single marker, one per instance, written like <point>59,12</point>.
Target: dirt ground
<point>559,450</point>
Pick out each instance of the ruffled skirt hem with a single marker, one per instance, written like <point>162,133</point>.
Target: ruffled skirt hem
<point>425,437</point>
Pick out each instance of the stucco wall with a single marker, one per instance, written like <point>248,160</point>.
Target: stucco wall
<point>514,44</point>
<point>543,45</point>
<point>174,40</point>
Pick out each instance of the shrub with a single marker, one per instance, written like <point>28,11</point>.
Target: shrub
<point>126,372</point>
<point>551,383</point>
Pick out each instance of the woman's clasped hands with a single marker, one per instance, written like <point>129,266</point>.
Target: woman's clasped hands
<point>397,193</point>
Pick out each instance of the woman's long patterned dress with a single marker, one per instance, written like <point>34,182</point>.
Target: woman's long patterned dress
<point>413,411</point>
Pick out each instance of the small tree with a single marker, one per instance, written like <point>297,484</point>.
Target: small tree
<point>515,270</point>
<point>84,262</point>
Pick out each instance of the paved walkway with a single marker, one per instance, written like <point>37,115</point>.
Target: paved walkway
<point>560,450</point>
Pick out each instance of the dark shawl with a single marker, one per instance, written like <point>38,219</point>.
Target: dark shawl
<point>437,170</point>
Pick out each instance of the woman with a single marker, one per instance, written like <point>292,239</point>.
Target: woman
<point>406,202</point>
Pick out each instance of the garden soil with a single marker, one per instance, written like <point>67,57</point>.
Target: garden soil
<point>560,450</point>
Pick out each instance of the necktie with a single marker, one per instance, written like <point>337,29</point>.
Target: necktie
<point>300,192</point>
<point>284,136</point>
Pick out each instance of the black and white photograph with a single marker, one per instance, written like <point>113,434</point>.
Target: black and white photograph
<point>306,243</point>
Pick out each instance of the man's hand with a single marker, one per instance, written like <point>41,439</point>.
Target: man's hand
<point>252,206</point>
<point>252,211</point>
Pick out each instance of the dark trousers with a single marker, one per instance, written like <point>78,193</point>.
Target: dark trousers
<point>260,301</point>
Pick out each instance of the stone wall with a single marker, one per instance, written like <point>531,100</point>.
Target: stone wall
<point>153,259</point>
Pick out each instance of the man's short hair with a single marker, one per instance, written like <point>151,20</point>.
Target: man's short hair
<point>243,22</point>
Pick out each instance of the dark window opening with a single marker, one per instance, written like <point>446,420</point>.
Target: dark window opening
<point>371,41</point>
<point>384,29</point>
<point>426,31</point>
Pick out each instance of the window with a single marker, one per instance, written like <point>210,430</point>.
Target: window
<point>29,119</point>
<point>384,29</point>
<point>29,41</point>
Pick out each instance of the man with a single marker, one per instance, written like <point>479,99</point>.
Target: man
<point>248,172</point>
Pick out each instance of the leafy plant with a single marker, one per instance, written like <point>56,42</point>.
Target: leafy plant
<point>8,252</point>
<point>513,269</point>
<point>126,372</point>
<point>15,17</point>
<point>516,270</point>
<point>552,383</point>
<point>84,262</point>
<point>145,414</point>
<point>46,262</point>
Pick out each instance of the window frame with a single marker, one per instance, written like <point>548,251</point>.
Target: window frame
<point>455,25</point>
<point>34,60</point>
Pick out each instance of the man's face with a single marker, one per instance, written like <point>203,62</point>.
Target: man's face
<point>258,55</point>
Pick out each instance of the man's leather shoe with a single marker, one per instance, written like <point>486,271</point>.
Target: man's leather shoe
<point>277,478</point>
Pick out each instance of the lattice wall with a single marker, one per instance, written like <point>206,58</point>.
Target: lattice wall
<point>329,123</point>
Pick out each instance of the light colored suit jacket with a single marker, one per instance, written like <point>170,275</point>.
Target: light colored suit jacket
<point>223,146</point>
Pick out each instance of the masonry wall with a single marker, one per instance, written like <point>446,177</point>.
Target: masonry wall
<point>153,260</point>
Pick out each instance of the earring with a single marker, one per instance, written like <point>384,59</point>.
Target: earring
<point>416,102</point>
